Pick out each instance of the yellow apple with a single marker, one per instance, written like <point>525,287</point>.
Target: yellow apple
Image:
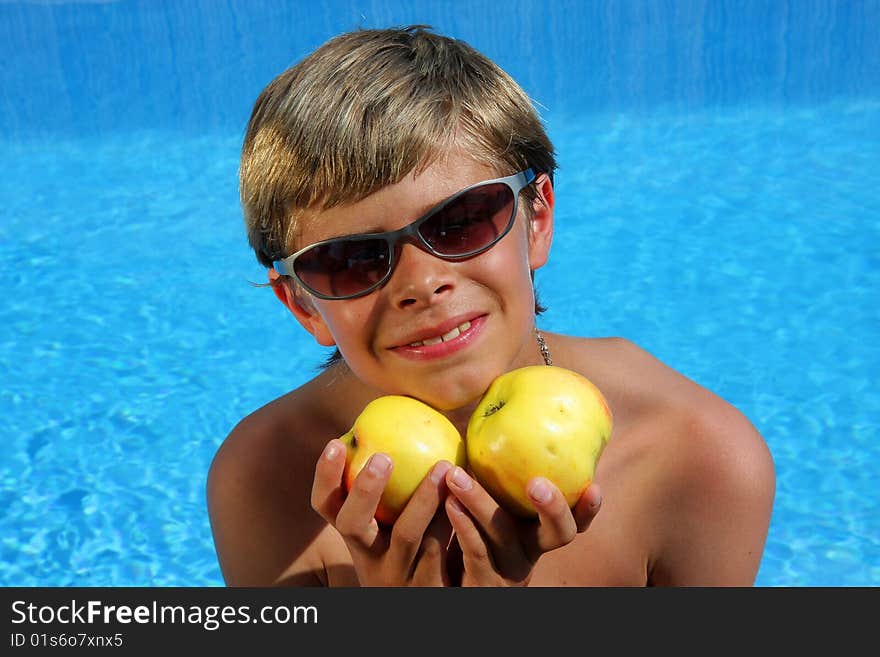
<point>539,420</point>
<point>413,434</point>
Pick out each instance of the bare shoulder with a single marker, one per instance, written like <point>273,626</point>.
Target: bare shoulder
<point>259,489</point>
<point>641,387</point>
<point>709,470</point>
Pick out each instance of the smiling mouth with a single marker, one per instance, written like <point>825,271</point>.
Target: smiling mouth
<point>446,337</point>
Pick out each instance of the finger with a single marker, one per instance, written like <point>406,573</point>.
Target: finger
<point>409,528</point>
<point>356,518</point>
<point>587,507</point>
<point>556,525</point>
<point>328,493</point>
<point>431,567</point>
<point>497,525</point>
<point>475,554</point>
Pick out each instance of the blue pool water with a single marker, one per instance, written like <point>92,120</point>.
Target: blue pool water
<point>718,203</point>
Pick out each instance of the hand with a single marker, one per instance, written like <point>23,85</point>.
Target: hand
<point>410,553</point>
<point>499,549</point>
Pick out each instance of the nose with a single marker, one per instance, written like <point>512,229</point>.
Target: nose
<point>420,278</point>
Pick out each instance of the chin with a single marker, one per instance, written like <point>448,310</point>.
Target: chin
<point>451,394</point>
<point>449,404</point>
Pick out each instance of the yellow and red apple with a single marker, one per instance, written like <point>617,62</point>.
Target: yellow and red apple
<point>413,434</point>
<point>537,421</point>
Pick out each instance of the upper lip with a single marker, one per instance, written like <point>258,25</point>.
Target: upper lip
<point>437,329</point>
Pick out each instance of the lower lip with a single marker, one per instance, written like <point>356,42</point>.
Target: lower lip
<point>443,349</point>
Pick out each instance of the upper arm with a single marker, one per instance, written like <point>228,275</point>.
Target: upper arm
<point>263,526</point>
<point>720,485</point>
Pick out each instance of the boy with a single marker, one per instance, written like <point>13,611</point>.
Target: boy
<point>404,130</point>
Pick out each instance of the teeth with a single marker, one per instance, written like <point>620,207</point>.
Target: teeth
<point>454,333</point>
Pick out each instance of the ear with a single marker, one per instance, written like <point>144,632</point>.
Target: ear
<point>299,303</point>
<point>541,223</point>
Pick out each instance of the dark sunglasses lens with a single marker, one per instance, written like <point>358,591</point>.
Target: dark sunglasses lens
<point>344,267</point>
<point>470,222</point>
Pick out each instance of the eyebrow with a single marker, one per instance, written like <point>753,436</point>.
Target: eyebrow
<point>378,230</point>
<point>375,230</point>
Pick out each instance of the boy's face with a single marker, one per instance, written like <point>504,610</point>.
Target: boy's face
<point>389,337</point>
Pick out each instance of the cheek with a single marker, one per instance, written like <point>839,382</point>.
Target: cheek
<point>348,321</point>
<point>507,263</point>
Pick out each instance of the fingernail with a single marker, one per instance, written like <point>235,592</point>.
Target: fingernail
<point>539,490</point>
<point>460,479</point>
<point>438,472</point>
<point>331,450</point>
<point>596,493</point>
<point>379,464</point>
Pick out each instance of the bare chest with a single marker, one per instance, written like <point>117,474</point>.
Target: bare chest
<point>608,554</point>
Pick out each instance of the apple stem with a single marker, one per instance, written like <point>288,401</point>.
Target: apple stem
<point>493,408</point>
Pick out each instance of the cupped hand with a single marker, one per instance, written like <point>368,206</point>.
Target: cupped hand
<point>499,549</point>
<point>412,552</point>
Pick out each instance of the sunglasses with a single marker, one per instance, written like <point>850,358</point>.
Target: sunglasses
<point>464,225</point>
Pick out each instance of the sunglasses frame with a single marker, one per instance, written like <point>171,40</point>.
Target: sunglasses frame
<point>516,183</point>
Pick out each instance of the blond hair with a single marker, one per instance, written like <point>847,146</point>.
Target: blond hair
<point>364,110</point>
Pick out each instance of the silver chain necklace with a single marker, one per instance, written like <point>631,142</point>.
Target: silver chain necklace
<point>542,345</point>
